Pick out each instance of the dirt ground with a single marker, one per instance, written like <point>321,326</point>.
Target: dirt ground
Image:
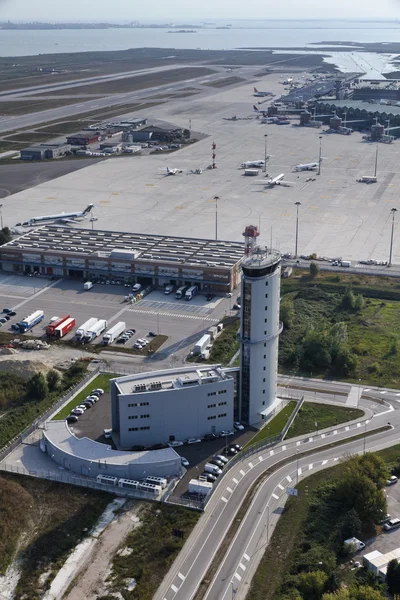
<point>92,576</point>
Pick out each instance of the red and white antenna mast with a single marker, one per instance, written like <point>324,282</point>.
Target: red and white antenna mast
<point>250,235</point>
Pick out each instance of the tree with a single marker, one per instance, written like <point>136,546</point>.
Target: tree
<point>359,302</point>
<point>393,576</point>
<point>37,386</point>
<point>363,592</point>
<point>314,270</point>
<point>348,299</point>
<point>5,236</point>
<point>345,362</point>
<point>311,585</point>
<point>315,351</point>
<point>358,491</point>
<point>53,379</point>
<point>287,314</point>
<point>352,525</point>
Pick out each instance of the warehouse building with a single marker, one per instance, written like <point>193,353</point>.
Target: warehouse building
<point>83,138</point>
<point>43,151</point>
<point>172,405</point>
<point>151,260</point>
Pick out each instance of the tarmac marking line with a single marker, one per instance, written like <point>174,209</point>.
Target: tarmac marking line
<point>322,436</point>
<point>241,566</point>
<point>310,466</point>
<point>324,462</point>
<point>251,465</point>
<point>335,432</point>
<point>335,459</point>
<point>246,556</point>
<point>283,448</point>
<point>358,424</point>
<point>224,499</point>
<point>298,443</point>
<point>299,471</point>
<point>310,439</point>
<point>275,496</point>
<point>289,478</point>
<point>347,428</point>
<point>174,588</point>
<point>235,480</point>
<point>280,486</point>
<point>260,458</point>
<point>271,453</point>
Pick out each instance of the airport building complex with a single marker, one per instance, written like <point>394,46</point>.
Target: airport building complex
<point>151,260</point>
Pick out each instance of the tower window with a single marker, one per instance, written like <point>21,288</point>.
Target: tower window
<point>266,283</point>
<point>266,295</point>
<point>266,308</point>
<point>264,380</point>
<point>264,368</point>
<point>265,320</point>
<point>265,356</point>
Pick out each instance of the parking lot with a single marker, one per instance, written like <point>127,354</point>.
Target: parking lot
<point>387,540</point>
<point>183,322</point>
<point>92,423</point>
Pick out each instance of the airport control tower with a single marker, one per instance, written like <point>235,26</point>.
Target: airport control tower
<point>260,329</point>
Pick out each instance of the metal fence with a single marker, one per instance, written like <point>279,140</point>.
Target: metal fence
<point>5,451</point>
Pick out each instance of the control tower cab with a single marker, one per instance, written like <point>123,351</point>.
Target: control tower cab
<point>259,334</point>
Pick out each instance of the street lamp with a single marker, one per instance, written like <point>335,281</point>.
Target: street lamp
<point>320,155</point>
<point>267,523</point>
<point>265,153</point>
<point>297,204</point>
<point>393,211</point>
<point>376,160</point>
<point>216,198</point>
<point>1,215</point>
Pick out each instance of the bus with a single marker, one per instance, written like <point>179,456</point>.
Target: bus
<point>192,291</point>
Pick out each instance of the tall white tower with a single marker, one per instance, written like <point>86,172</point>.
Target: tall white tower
<point>259,330</point>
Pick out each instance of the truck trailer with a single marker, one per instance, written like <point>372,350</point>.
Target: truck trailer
<point>202,488</point>
<point>30,321</point>
<point>81,332</point>
<point>95,330</point>
<point>52,326</point>
<point>64,328</point>
<point>202,344</point>
<point>114,332</point>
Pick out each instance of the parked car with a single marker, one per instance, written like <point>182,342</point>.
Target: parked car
<point>392,524</point>
<point>131,331</point>
<point>237,447</point>
<point>238,426</point>
<point>77,412</point>
<point>210,297</point>
<point>217,462</point>
<point>87,403</point>
<point>209,476</point>
<point>209,437</point>
<point>152,334</point>
<point>98,391</point>
<point>228,295</point>
<point>137,346</point>
<point>193,441</point>
<point>223,459</point>
<point>3,320</point>
<point>7,311</point>
<point>175,444</point>
<point>82,406</point>
<point>12,313</point>
<point>72,418</point>
<point>392,480</point>
<point>224,433</point>
<point>107,433</point>
<point>232,451</point>
<point>184,462</point>
<point>122,340</point>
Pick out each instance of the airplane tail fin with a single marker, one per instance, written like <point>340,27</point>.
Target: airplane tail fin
<point>255,90</point>
<point>255,108</point>
<point>88,209</point>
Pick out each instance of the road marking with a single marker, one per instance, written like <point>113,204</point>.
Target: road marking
<point>358,424</point>
<point>335,459</point>
<point>299,471</point>
<point>235,480</point>
<point>335,432</point>
<point>238,577</point>
<point>271,452</point>
<point>280,486</point>
<point>165,314</point>
<point>242,472</point>
<point>322,436</point>
<point>251,465</point>
<point>298,443</point>
<point>181,576</point>
<point>228,489</point>
<point>289,478</point>
<point>310,466</point>
<point>260,458</point>
<point>275,496</point>
<point>174,588</point>
<point>347,428</point>
<point>283,448</point>
<point>246,556</point>
<point>241,565</point>
<point>310,439</point>
<point>324,462</point>
<point>224,499</point>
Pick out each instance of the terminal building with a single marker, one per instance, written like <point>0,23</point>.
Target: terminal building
<point>151,260</point>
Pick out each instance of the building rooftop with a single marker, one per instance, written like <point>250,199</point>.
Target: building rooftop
<point>59,434</point>
<point>261,257</point>
<point>129,246</point>
<point>367,106</point>
<point>170,379</point>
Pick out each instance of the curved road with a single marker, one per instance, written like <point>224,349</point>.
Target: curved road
<point>241,560</point>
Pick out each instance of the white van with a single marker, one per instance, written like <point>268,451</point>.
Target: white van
<point>213,469</point>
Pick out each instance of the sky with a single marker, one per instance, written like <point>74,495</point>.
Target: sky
<point>185,10</point>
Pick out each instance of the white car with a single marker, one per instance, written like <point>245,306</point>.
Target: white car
<point>193,441</point>
<point>77,411</point>
<point>238,426</point>
<point>138,346</point>
<point>143,341</point>
<point>229,295</point>
<point>184,461</point>
<point>224,433</point>
<point>107,433</point>
<point>98,391</point>
<point>175,444</point>
<point>82,406</point>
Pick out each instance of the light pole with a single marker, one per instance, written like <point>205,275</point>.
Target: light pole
<point>376,160</point>
<point>393,211</point>
<point>265,153</point>
<point>1,215</point>
<point>297,204</point>
<point>365,435</point>
<point>320,155</point>
<point>216,198</point>
<point>297,468</point>
<point>267,523</point>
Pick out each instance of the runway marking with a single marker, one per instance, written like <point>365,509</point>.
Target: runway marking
<point>299,471</point>
<point>347,428</point>
<point>246,556</point>
<point>275,496</point>
<point>324,462</point>
<point>289,478</point>
<point>283,448</point>
<point>271,452</point>
<point>241,566</point>
<point>260,458</point>
<point>280,486</point>
<point>174,588</point>
<point>224,499</point>
<point>358,424</point>
<point>310,466</point>
<point>298,443</point>
<point>228,489</point>
<point>251,465</point>
<point>235,480</point>
<point>181,576</point>
<point>335,432</point>
<point>242,472</point>
<point>322,436</point>
<point>238,577</point>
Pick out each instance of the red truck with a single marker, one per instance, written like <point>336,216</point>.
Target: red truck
<point>65,327</point>
<point>51,328</point>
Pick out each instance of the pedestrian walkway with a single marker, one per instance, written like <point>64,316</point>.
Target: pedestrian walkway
<point>354,396</point>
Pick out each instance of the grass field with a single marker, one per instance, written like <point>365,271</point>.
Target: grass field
<point>274,426</point>
<point>23,107</point>
<point>324,414</point>
<point>101,381</point>
<point>51,519</point>
<point>226,344</point>
<point>219,83</point>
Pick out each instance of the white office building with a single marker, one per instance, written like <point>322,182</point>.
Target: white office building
<point>259,334</point>
<point>174,405</point>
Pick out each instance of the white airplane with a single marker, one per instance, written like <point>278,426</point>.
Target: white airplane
<point>62,217</point>
<point>196,171</point>
<point>278,180</point>
<point>306,167</point>
<point>173,171</point>
<point>287,81</point>
<point>252,164</point>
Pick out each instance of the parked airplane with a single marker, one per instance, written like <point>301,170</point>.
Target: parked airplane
<point>259,94</point>
<point>278,180</point>
<point>287,81</point>
<point>196,171</point>
<point>274,119</point>
<point>173,171</point>
<point>307,167</point>
<point>252,164</point>
<point>63,217</point>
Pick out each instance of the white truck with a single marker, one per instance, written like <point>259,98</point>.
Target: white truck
<point>114,332</point>
<point>87,285</point>
<point>202,344</point>
<point>202,488</point>
<point>95,330</point>
<point>82,330</point>
<point>345,263</point>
